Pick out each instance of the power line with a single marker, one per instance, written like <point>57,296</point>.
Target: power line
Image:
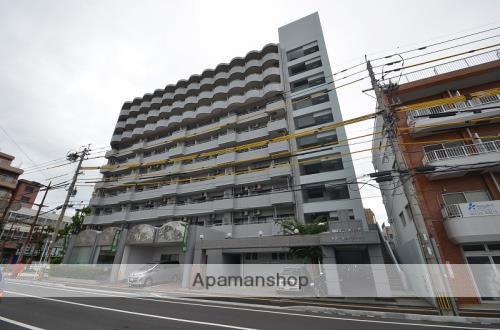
<point>21,149</point>
<point>443,58</point>
<point>436,51</point>
<point>433,44</point>
<point>57,161</point>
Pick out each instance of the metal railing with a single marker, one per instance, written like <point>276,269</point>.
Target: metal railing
<point>452,107</point>
<point>489,208</point>
<point>452,211</point>
<point>486,57</point>
<point>461,151</point>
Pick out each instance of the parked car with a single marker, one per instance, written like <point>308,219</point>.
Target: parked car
<point>154,273</point>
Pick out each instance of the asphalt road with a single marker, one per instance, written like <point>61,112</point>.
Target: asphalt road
<point>49,307</point>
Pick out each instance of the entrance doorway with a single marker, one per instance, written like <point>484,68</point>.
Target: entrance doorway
<point>106,256</point>
<point>356,279</point>
<point>484,264</point>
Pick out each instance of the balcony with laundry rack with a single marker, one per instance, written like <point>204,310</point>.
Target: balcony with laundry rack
<point>461,106</point>
<point>434,119</point>
<point>473,221</point>
<point>459,160</point>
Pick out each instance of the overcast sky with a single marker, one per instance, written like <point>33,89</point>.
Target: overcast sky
<point>66,67</point>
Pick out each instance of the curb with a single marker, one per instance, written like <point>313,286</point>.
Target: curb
<point>395,315</point>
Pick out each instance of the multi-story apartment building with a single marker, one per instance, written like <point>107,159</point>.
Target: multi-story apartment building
<point>25,193</point>
<point>230,152</point>
<point>8,181</point>
<point>448,128</point>
<point>17,226</point>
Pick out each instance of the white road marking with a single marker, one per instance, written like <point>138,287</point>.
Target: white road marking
<point>19,324</point>
<point>219,325</point>
<point>62,287</point>
<point>283,313</point>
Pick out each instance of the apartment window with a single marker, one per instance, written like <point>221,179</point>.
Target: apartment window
<point>25,199</point>
<point>312,217</point>
<point>473,247</point>
<point>466,196</point>
<point>305,66</point>
<point>313,119</point>
<point>318,139</point>
<point>325,192</point>
<point>302,51</point>
<point>315,192</point>
<point>321,166</point>
<point>339,192</point>
<point>29,189</point>
<point>308,82</point>
<point>310,100</point>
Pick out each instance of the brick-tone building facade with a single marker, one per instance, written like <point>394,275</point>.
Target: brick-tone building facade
<point>25,193</point>
<point>448,129</point>
<point>8,181</point>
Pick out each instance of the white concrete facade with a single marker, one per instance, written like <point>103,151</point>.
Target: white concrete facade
<point>217,150</point>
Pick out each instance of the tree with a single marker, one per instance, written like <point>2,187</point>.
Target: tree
<point>39,237</point>
<point>76,222</point>
<point>293,227</point>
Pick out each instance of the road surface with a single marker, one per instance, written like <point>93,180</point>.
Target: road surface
<point>29,305</point>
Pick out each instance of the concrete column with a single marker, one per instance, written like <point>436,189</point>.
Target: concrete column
<point>120,249</point>
<point>191,255</point>
<point>331,272</point>
<point>379,272</point>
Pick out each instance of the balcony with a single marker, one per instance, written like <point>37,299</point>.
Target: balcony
<point>464,159</point>
<point>426,120</point>
<point>195,208</point>
<point>473,221</point>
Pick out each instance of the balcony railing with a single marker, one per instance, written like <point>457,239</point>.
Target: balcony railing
<point>462,151</point>
<point>452,211</point>
<point>452,107</point>
<point>443,68</point>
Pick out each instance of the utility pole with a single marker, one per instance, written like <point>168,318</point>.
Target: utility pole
<point>71,157</point>
<point>4,229</point>
<point>32,226</point>
<point>410,192</point>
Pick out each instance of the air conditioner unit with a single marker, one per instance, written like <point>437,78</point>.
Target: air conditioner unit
<point>245,212</point>
<point>184,218</point>
<point>259,186</point>
<point>205,194</point>
<point>256,212</point>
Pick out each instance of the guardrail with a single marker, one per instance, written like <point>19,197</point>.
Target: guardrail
<point>462,151</point>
